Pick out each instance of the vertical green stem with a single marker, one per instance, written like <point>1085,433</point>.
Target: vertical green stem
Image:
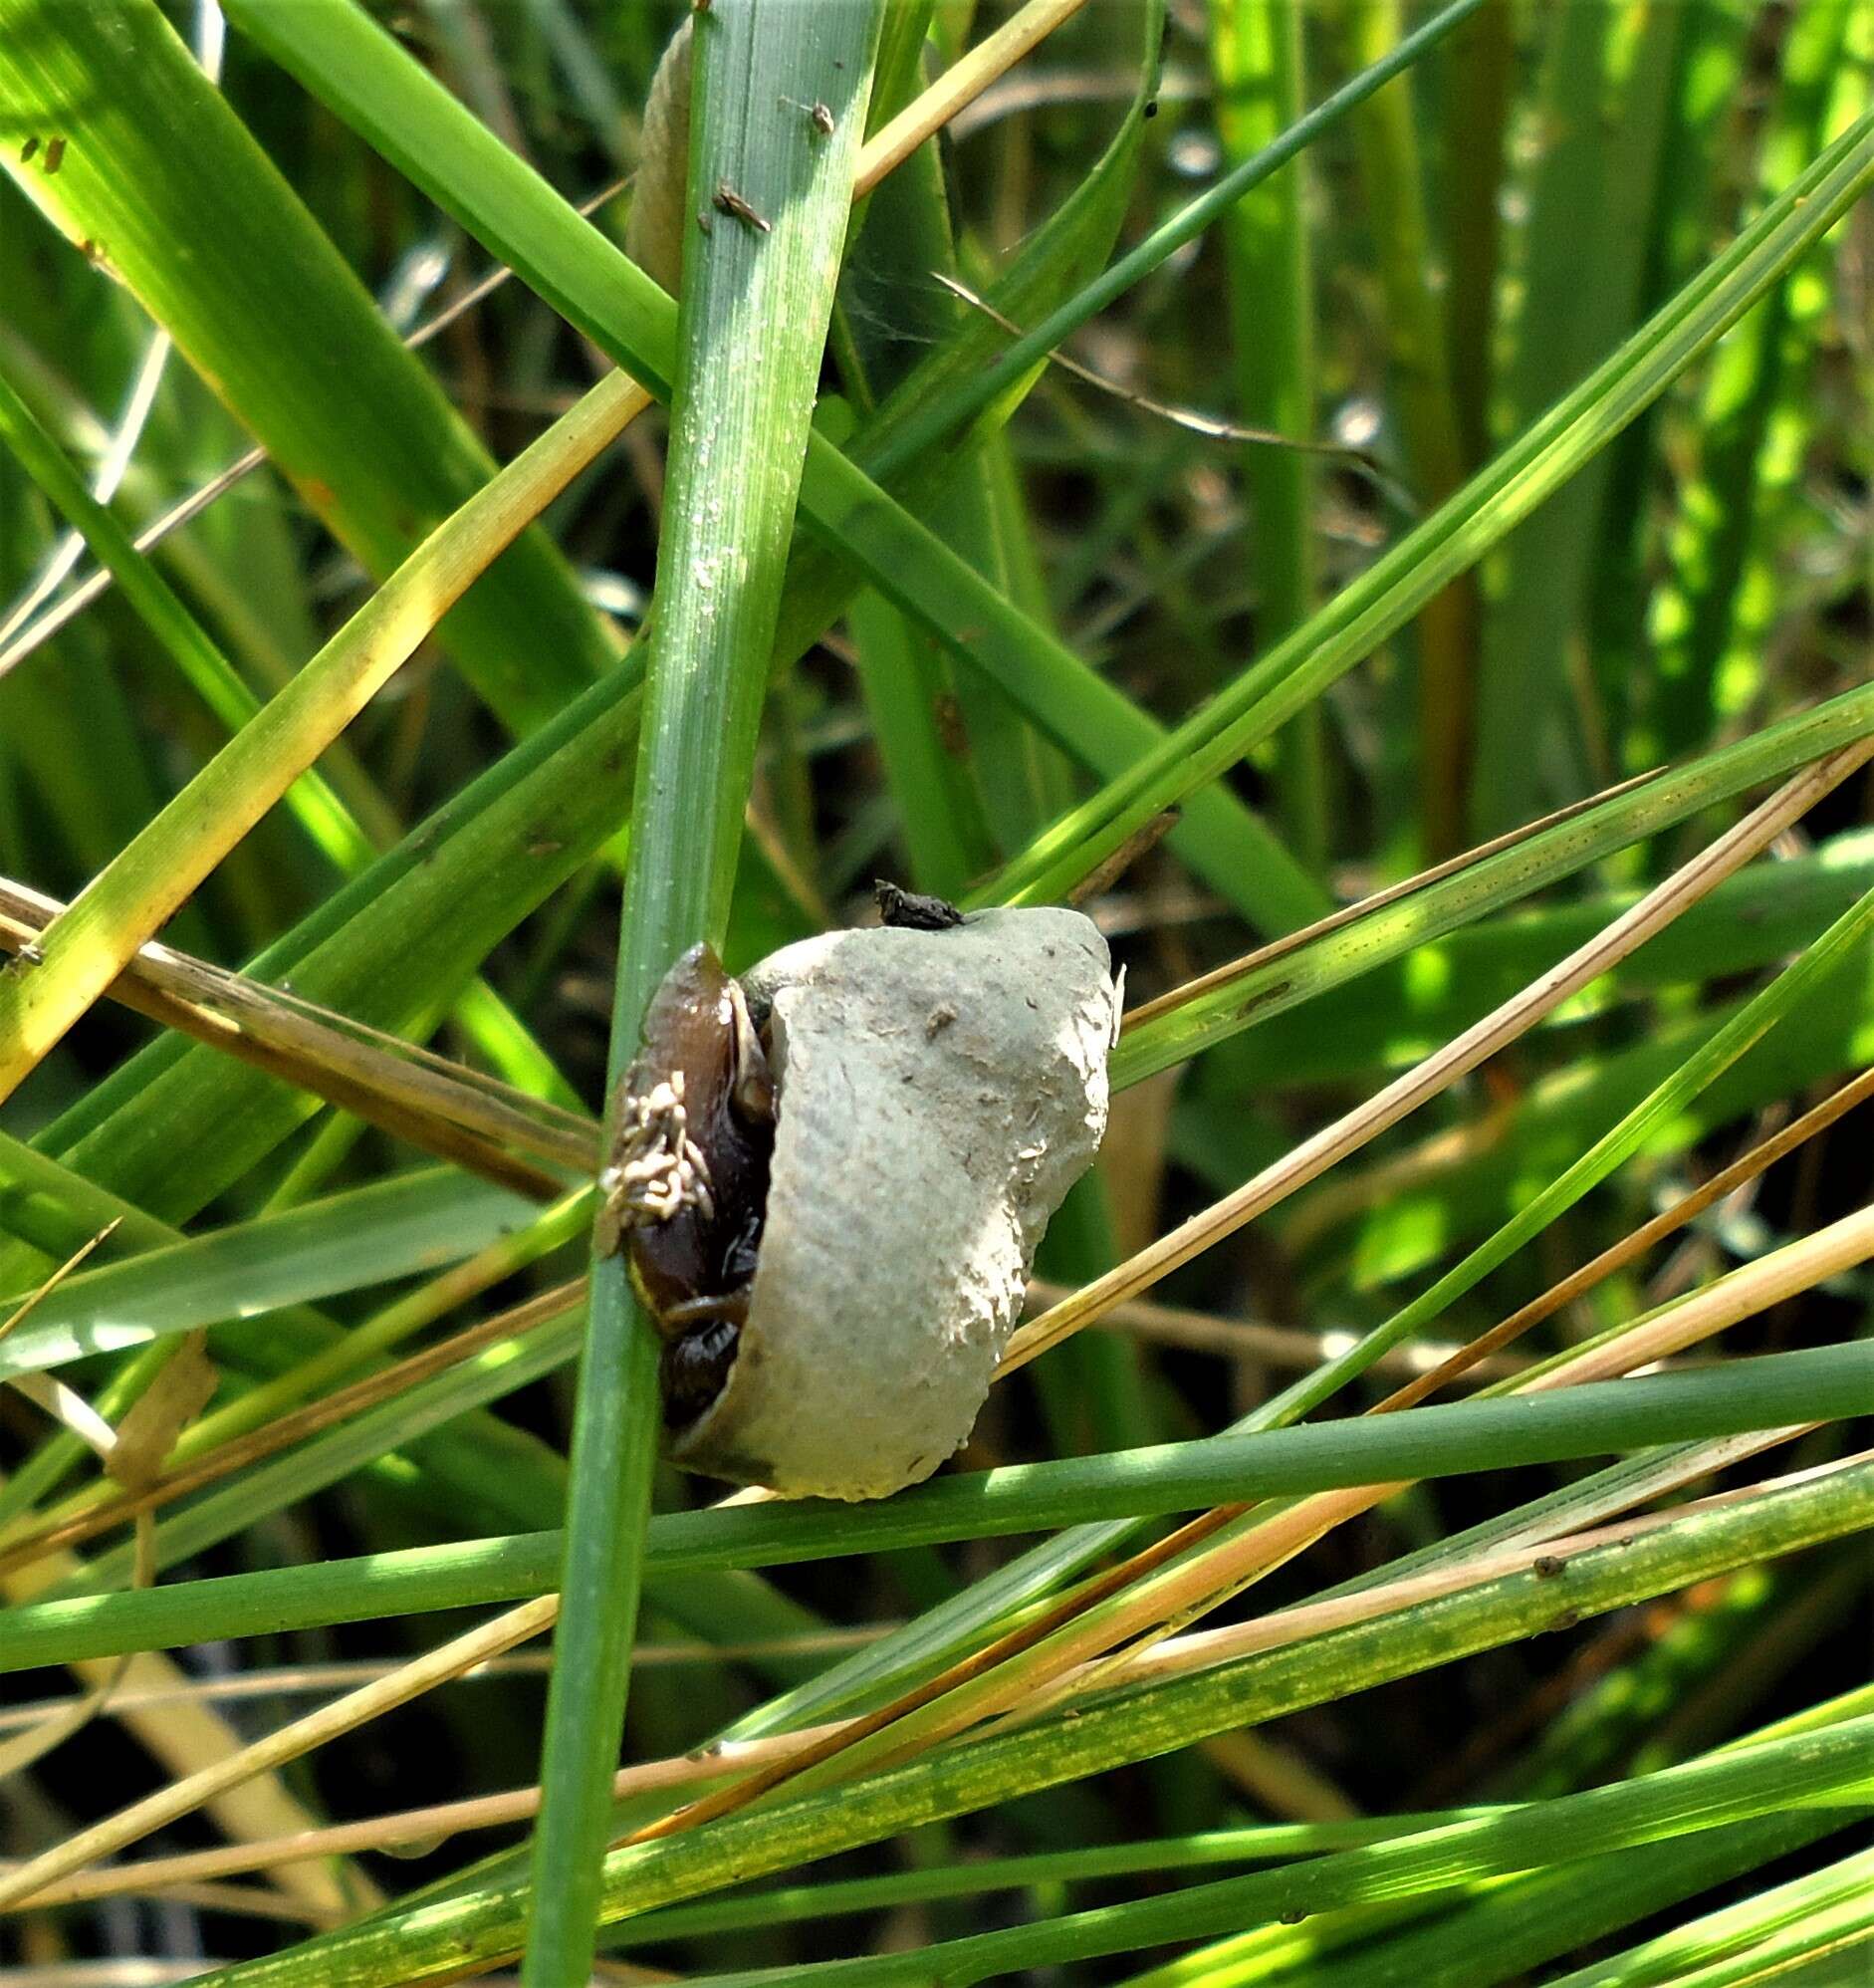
<point>1482,76</point>
<point>1256,51</point>
<point>770,188</point>
<point>1420,356</point>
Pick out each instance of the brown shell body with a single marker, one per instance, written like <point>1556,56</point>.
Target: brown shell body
<point>701,1085</point>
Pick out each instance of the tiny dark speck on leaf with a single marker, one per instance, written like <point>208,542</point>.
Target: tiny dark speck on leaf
<point>26,149</point>
<point>55,156</point>
<point>1568,1620</point>
<point>1151,108</point>
<point>1261,997</point>
<point>952,734</point>
<point>1293,1916</point>
<point>1547,1566</point>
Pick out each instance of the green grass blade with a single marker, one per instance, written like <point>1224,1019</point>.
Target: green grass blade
<point>1828,1036</point>
<point>1591,198</point>
<point>953,411</point>
<point>1231,849</point>
<point>757,292</point>
<point>1406,1007</point>
<point>1592,1419</point>
<point>178,1123</point>
<point>368,1235</point>
<point>85,948</point>
<point>1255,54</point>
<point>1766,364</point>
<point>335,50</point>
<point>1482,71</point>
<point>1242,999</point>
<point>1848,936</point>
<point>1827,1771</point>
<point>477,1925</point>
<point>1759,1936</point>
<point>208,673</point>
<point>348,834</point>
<point>1450,541</point>
<point>1419,341</point>
<point>261,307</point>
<point>395,1427</point>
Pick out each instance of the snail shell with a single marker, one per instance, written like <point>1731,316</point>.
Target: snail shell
<point>939,1092</point>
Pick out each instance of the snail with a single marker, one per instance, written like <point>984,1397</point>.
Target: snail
<point>830,1179</point>
<point>688,1178</point>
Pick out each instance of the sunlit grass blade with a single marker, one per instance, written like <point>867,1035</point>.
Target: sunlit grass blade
<point>1772,1391</point>
<point>1811,1772</point>
<point>1736,1039</point>
<point>153,156</point>
<point>1591,185</point>
<point>367,1236</point>
<point>1819,1917</point>
<point>347,827</point>
<point>1136,1725</point>
<point>85,949</point>
<point>1539,462</point>
<point>1764,369</point>
<point>1406,1007</point>
<point>1242,994</point>
<point>757,292</point>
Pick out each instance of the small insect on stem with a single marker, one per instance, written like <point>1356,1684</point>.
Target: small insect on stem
<point>729,201</point>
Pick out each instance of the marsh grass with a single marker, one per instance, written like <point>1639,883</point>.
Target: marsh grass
<point>1475,794</point>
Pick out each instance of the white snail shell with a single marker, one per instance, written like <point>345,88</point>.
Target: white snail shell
<point>939,1094</point>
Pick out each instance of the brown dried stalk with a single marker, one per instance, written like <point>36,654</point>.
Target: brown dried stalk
<point>440,1107</point>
